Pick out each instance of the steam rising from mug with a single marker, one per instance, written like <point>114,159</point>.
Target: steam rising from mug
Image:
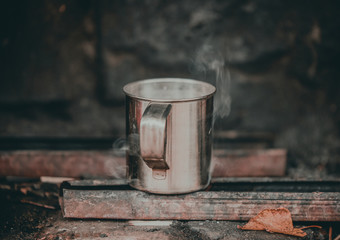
<point>211,64</point>
<point>120,146</point>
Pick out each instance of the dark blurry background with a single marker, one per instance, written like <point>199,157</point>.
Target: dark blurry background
<point>64,63</point>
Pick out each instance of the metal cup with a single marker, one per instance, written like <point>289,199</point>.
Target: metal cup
<point>169,132</point>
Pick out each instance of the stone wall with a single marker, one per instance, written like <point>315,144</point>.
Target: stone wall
<point>64,63</point>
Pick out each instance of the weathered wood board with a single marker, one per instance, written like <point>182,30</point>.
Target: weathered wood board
<point>103,163</point>
<point>204,205</point>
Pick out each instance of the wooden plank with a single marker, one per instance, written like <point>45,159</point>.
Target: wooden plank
<point>249,163</point>
<point>103,163</point>
<point>214,205</point>
<point>36,163</point>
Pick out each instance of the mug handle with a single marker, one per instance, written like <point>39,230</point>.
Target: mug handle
<point>153,135</point>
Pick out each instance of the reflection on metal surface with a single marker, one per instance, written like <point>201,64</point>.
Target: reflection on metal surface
<point>153,127</point>
<point>169,125</point>
<point>159,174</point>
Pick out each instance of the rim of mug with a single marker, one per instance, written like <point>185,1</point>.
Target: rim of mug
<point>139,82</point>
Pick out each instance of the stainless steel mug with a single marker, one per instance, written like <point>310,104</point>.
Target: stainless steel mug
<point>169,132</point>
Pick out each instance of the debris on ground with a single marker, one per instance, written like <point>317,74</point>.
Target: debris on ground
<point>277,220</point>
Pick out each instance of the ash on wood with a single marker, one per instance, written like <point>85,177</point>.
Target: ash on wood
<point>213,205</point>
<point>103,163</point>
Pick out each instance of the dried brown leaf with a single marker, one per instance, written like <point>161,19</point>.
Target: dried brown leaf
<point>277,220</point>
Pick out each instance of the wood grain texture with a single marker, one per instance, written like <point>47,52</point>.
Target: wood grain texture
<point>214,205</point>
<point>36,163</point>
<point>103,163</point>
